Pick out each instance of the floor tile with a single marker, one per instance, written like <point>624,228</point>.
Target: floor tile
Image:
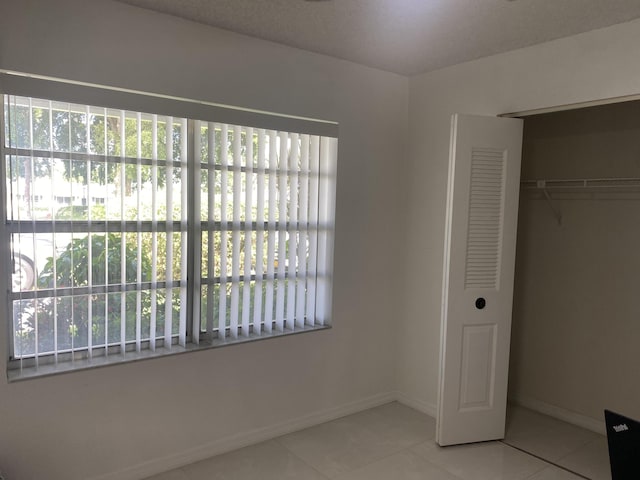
<point>554,473</point>
<point>544,436</point>
<point>394,441</point>
<point>401,466</point>
<point>481,461</point>
<point>265,461</point>
<point>590,460</point>
<point>399,424</point>
<point>177,474</point>
<point>351,442</point>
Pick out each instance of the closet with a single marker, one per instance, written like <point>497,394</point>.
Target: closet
<point>575,346</point>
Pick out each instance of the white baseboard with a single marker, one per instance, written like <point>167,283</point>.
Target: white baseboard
<point>233,442</point>
<point>560,413</point>
<point>417,404</point>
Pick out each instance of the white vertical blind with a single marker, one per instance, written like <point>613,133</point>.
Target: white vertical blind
<point>259,218</point>
<point>83,207</point>
<point>168,311</point>
<point>54,243</point>
<point>326,209</point>
<point>197,231</point>
<point>211,205</point>
<point>105,179</point>
<point>248,216</point>
<point>271,233</point>
<point>224,165</point>
<point>29,170</point>
<point>259,248</point>
<point>123,235</point>
<point>90,242</point>
<point>282,230</point>
<point>235,230</point>
<point>182,327</point>
<point>303,185</point>
<point>138,235</point>
<point>154,233</point>
<point>312,262</point>
<point>294,157</point>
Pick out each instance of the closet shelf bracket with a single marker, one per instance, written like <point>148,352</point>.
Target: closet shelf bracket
<point>542,185</point>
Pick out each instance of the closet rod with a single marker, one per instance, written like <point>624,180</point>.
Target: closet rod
<point>571,183</point>
<point>545,186</point>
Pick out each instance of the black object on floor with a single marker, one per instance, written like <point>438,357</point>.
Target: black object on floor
<point>623,437</point>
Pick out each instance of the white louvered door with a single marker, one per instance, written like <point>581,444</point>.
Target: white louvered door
<point>482,209</point>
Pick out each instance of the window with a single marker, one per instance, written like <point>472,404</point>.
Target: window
<point>135,233</point>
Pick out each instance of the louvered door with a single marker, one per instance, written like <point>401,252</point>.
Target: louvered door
<point>482,208</point>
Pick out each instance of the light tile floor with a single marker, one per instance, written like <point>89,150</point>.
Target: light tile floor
<point>396,442</point>
<point>571,447</point>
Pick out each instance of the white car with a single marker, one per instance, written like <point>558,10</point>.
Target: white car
<point>30,253</point>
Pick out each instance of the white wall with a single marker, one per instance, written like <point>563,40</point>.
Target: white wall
<point>595,65</point>
<point>85,424</point>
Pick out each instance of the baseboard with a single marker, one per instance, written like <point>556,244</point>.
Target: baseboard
<point>560,413</point>
<point>417,404</point>
<point>233,442</point>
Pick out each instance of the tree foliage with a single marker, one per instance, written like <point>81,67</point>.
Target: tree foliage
<point>66,320</point>
<point>71,130</point>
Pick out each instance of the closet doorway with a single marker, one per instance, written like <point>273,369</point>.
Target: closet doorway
<point>576,314</point>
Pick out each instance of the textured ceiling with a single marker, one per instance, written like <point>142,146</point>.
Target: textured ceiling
<point>403,36</point>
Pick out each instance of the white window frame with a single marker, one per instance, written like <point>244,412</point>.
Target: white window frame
<point>193,336</point>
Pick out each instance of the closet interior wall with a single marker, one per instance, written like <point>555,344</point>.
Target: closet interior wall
<point>576,313</point>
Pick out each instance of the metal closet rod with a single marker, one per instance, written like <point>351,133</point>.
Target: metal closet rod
<point>576,184</point>
<point>612,182</point>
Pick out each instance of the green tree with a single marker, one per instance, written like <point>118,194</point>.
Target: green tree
<point>73,130</point>
<point>20,134</point>
<point>66,320</point>
<point>102,135</point>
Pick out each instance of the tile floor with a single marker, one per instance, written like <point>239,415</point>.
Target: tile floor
<point>396,442</point>
<point>571,447</point>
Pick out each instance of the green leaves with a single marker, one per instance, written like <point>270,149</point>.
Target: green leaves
<point>73,264</point>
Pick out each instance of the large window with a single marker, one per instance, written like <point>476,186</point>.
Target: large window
<point>132,233</point>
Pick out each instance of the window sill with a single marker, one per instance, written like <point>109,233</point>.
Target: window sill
<point>16,373</point>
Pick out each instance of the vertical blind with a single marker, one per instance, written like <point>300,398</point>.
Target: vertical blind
<point>258,206</point>
<point>132,231</point>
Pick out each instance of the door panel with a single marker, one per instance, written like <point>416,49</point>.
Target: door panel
<point>477,379</point>
<point>482,208</point>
